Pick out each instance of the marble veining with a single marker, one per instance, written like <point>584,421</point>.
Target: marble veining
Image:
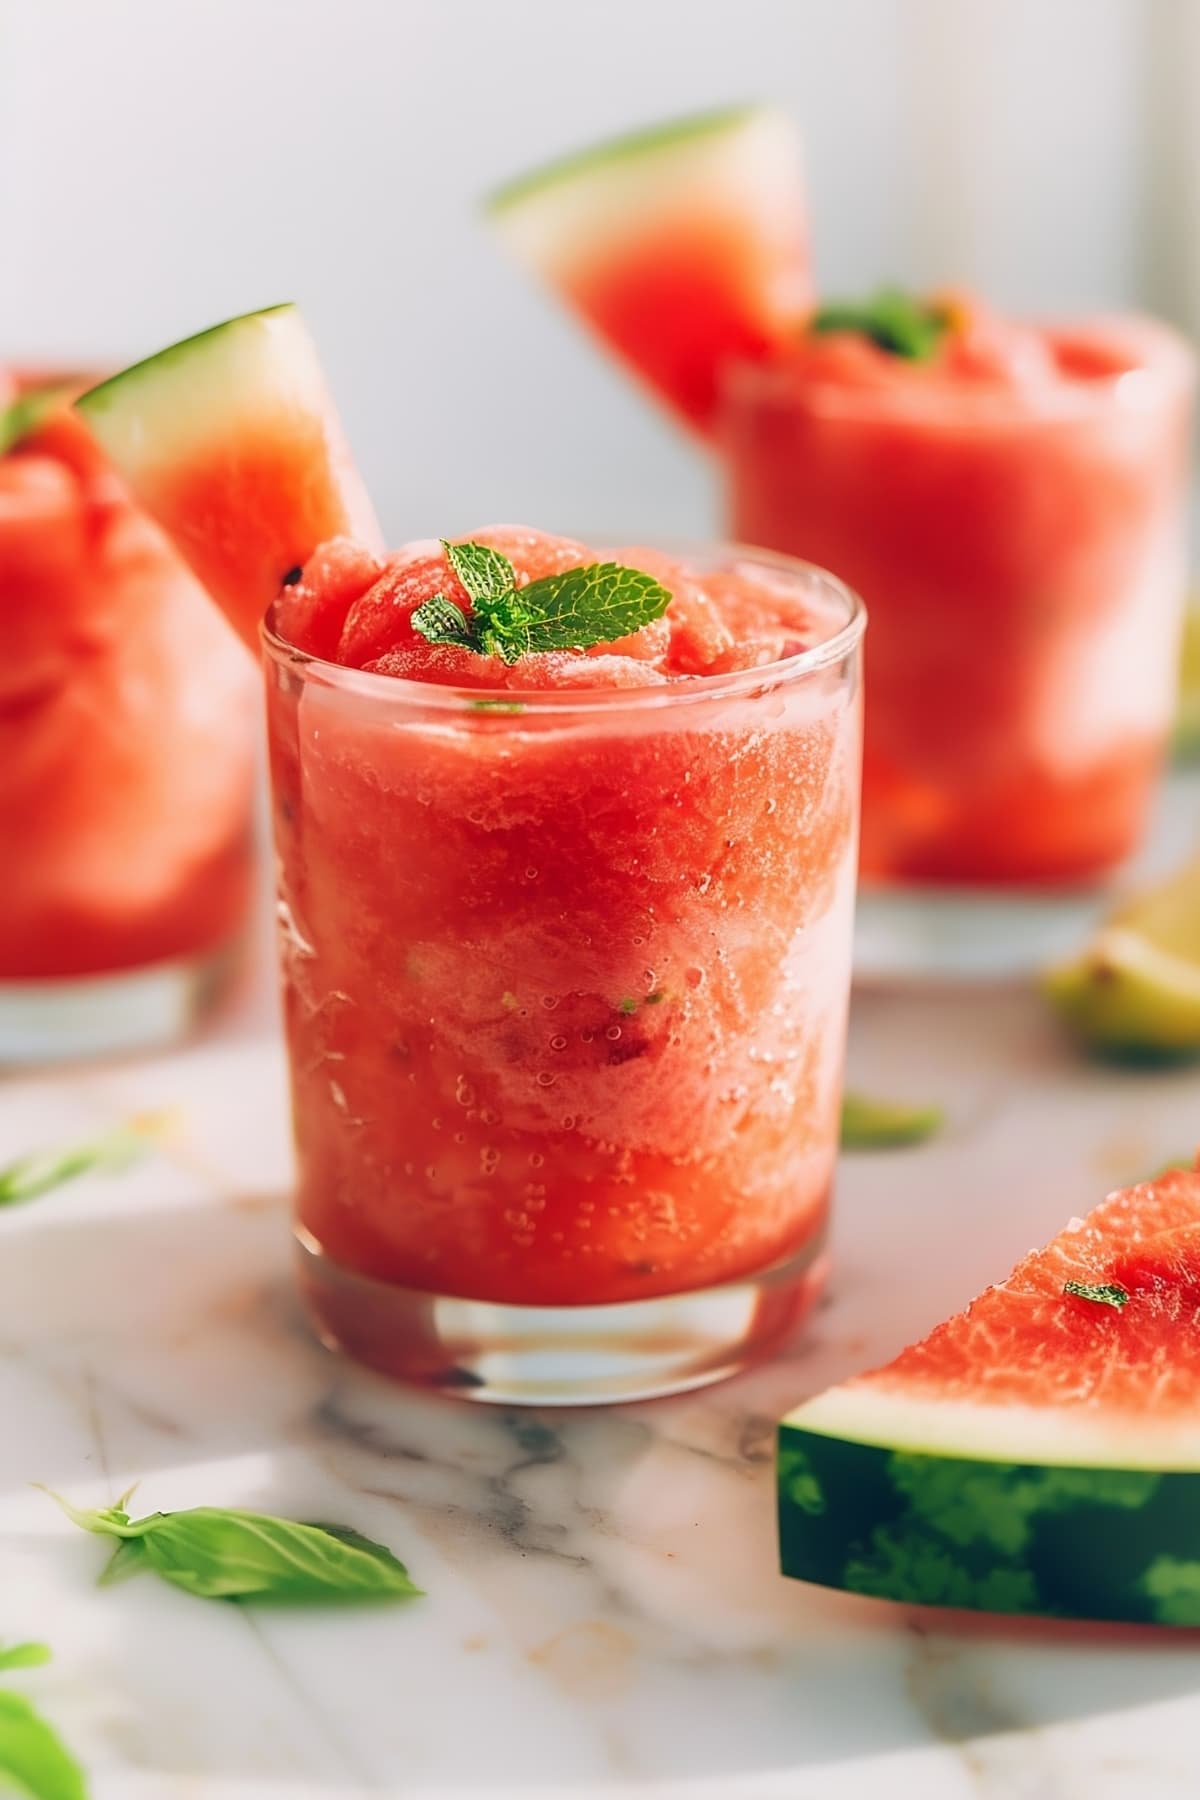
<point>602,1613</point>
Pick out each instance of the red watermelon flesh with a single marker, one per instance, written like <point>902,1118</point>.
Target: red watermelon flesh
<point>1026,1339</point>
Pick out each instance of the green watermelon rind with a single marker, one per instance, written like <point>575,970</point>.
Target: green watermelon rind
<point>1060,1540</point>
<point>106,394</point>
<point>629,147</point>
<point>231,442</point>
<point>30,411</point>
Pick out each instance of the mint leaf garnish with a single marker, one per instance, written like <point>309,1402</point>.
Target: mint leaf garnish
<point>44,1170</point>
<point>440,621</point>
<point>1105,1293</point>
<point>503,624</point>
<point>484,572</point>
<point>893,320</point>
<point>220,1553</point>
<point>593,605</point>
<point>569,611</point>
<point>884,1125</point>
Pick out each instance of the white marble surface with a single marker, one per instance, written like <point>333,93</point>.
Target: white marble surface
<point>603,1613</point>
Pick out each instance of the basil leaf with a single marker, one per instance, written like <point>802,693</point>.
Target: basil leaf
<point>129,1558</point>
<point>24,1656</point>
<point>33,1758</point>
<point>883,1125</point>
<point>484,572</point>
<point>225,1555</point>
<point>220,1553</point>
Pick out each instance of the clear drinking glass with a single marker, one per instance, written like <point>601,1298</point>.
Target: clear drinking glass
<point>128,738</point>
<point>565,981</point>
<point>1022,555</point>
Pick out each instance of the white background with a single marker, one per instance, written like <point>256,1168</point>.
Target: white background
<point>164,163</point>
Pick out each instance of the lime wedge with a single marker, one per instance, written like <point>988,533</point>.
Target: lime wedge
<point>869,1124</point>
<point>1187,721</point>
<point>1135,991</point>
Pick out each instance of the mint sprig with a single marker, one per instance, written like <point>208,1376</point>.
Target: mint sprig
<point>222,1553</point>
<point>34,1761</point>
<point>569,611</point>
<point>892,319</point>
<point>1104,1293</point>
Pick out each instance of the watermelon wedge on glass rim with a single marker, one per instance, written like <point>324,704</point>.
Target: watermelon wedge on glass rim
<point>684,247</point>
<point>231,441</point>
<point>1037,1453</point>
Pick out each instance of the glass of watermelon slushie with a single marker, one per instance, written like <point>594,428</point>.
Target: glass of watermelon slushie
<point>128,744</point>
<point>1010,502</point>
<point>566,950</point>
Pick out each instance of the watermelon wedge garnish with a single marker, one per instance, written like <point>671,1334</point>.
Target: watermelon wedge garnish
<point>231,442</point>
<point>684,247</point>
<point>1038,1453</point>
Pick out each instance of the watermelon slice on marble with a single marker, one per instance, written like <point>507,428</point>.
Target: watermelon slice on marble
<point>230,440</point>
<point>1038,1453</point>
<point>685,247</point>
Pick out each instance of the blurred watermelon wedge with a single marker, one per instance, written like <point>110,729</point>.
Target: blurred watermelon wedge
<point>684,247</point>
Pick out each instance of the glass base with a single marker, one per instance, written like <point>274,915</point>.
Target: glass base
<point>925,934</point>
<point>107,1015</point>
<point>558,1356</point>
<point>911,934</point>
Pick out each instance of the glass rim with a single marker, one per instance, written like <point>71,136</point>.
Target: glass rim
<point>517,703</point>
<point>1164,365</point>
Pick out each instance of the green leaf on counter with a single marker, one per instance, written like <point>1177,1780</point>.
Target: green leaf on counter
<point>885,1124</point>
<point>43,1170</point>
<point>24,1656</point>
<point>34,1762</point>
<point>129,1558</point>
<point>220,1553</point>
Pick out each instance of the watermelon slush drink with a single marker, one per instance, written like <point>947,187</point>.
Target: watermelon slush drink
<point>1011,509</point>
<point>127,734</point>
<point>566,960</point>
